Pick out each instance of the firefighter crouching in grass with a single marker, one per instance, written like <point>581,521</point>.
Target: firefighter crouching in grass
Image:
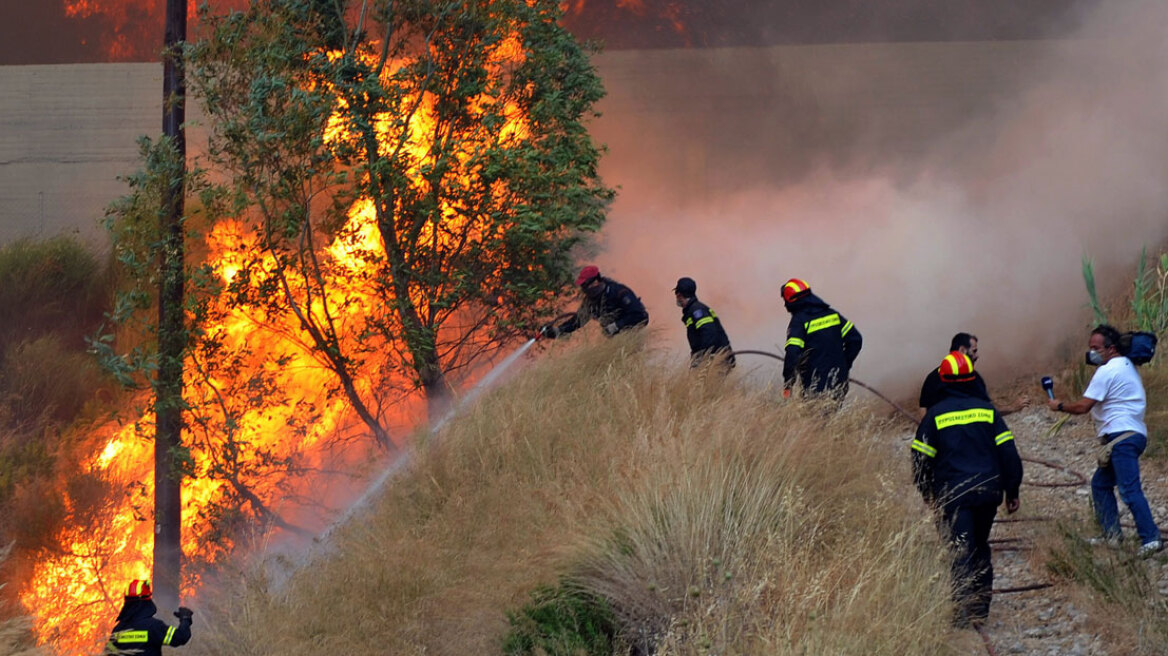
<point>139,632</point>
<point>821,344</point>
<point>964,460</point>
<point>614,305</point>
<point>703,329</point>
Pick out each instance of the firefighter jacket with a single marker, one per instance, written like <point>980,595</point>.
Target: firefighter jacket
<point>821,345</point>
<point>139,632</point>
<point>617,304</point>
<point>704,331</point>
<point>964,454</point>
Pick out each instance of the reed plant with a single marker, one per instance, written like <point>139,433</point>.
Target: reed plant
<point>1148,305</point>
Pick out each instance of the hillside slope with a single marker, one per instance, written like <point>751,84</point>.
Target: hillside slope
<point>710,516</point>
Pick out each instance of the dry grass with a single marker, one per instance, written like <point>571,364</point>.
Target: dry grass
<point>711,517</point>
<point>1118,589</point>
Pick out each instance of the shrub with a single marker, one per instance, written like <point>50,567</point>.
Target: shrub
<point>43,382</point>
<point>563,619</point>
<point>51,286</point>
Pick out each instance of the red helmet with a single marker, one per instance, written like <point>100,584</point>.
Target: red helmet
<point>139,589</point>
<point>956,368</point>
<point>587,275</point>
<point>795,289</point>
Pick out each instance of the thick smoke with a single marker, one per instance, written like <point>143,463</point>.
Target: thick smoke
<point>922,189</point>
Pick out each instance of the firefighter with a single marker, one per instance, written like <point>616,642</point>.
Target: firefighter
<point>821,343</point>
<point>139,632</point>
<point>932,390</point>
<point>964,460</point>
<point>703,329</point>
<point>614,305</point>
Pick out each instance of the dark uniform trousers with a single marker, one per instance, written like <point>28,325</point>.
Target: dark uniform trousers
<point>968,526</point>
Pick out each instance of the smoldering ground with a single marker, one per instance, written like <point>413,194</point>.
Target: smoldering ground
<point>921,188</point>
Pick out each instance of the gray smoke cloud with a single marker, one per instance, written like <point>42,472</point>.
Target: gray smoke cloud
<point>922,189</point>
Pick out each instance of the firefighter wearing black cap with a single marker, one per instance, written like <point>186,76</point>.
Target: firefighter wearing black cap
<point>139,632</point>
<point>964,460</point>
<point>821,344</point>
<point>614,305</point>
<point>703,329</point>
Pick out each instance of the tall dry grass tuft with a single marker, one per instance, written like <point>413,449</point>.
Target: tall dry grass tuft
<point>708,515</point>
<point>758,527</point>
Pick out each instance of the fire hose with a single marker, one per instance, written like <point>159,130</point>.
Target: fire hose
<point>554,322</point>
<point>1079,478</point>
<point>1013,542</point>
<point>850,380</point>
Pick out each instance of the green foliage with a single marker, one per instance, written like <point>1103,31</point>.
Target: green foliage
<point>222,384</point>
<point>50,286</point>
<point>45,383</point>
<point>1111,573</point>
<point>561,620</point>
<point>133,222</point>
<point>1092,295</point>
<point>54,291</point>
<point>1119,578</point>
<point>1149,299</point>
<point>1149,302</point>
<point>475,221</point>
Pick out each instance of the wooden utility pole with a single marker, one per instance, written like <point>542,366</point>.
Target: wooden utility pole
<point>171,325</point>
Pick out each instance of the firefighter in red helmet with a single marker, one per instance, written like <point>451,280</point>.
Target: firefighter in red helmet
<point>821,344</point>
<point>139,632</point>
<point>964,462</point>
<point>612,304</point>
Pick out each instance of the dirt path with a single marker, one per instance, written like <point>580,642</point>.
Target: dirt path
<point>1048,621</point>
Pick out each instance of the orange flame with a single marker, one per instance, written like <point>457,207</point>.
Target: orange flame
<point>75,592</point>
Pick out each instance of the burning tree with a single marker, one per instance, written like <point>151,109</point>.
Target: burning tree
<point>410,176</point>
<point>393,190</point>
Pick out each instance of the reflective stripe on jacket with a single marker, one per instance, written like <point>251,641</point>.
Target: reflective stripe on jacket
<point>964,451</point>
<point>704,331</point>
<point>821,345</point>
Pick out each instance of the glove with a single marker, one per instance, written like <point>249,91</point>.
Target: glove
<point>184,613</point>
<point>611,329</point>
<point>550,331</point>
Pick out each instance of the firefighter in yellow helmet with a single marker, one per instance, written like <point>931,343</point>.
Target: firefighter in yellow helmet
<point>139,632</point>
<point>821,344</point>
<point>964,462</point>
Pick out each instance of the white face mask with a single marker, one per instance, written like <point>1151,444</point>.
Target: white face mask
<point>1094,358</point>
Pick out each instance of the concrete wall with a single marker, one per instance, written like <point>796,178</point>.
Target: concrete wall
<point>66,134</point>
<point>680,123</point>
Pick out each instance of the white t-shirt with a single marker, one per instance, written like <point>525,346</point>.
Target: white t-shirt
<point>1119,397</point>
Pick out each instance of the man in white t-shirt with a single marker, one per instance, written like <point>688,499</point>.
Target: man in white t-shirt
<point>1116,400</point>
